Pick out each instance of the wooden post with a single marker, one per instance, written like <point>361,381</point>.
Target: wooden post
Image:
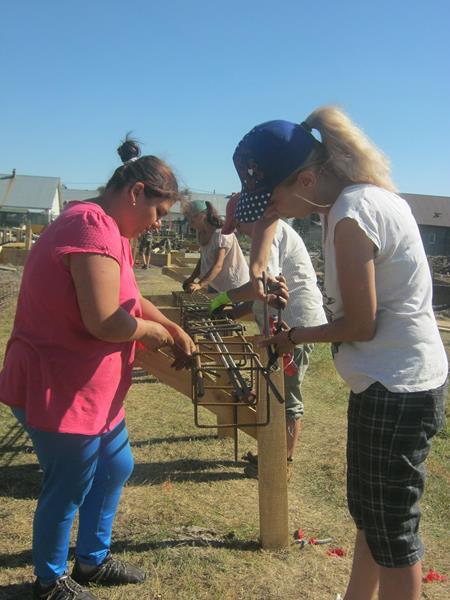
<point>271,439</point>
<point>272,465</point>
<point>28,235</point>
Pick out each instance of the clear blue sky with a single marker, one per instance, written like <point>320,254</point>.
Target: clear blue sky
<point>191,77</point>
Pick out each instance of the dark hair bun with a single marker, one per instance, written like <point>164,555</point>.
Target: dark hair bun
<point>128,149</point>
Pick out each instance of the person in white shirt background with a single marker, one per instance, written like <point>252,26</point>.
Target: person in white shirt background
<point>385,339</point>
<point>222,265</point>
<point>289,257</point>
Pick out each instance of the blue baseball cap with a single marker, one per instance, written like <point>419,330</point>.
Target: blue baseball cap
<point>264,158</point>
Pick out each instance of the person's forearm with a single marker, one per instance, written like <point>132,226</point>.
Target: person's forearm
<point>196,271</point>
<point>210,275</point>
<point>119,327</point>
<point>151,313</point>
<point>262,237</point>
<point>341,330</point>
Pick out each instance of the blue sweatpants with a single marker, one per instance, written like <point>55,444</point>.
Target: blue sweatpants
<point>84,473</point>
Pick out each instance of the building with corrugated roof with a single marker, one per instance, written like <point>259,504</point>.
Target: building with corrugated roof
<point>174,220</point>
<point>41,199</point>
<point>432,214</point>
<point>29,198</point>
<point>69,194</point>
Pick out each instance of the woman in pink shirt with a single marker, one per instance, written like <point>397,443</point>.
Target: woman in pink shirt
<point>68,368</point>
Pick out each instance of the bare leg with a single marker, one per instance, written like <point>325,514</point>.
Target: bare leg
<point>365,572</point>
<point>293,428</point>
<point>401,584</point>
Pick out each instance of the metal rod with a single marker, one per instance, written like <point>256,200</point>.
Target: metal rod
<point>241,387</point>
<point>266,305</point>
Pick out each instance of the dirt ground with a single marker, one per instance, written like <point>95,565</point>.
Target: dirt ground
<point>189,514</point>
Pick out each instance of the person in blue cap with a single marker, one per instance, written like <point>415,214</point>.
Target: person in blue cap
<point>385,341</point>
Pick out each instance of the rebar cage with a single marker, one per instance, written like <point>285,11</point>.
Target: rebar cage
<point>226,372</point>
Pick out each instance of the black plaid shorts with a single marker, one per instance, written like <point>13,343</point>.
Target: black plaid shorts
<point>389,437</point>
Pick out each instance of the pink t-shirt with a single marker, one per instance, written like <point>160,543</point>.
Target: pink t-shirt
<point>63,377</point>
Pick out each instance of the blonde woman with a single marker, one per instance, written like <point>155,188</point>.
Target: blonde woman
<point>384,336</point>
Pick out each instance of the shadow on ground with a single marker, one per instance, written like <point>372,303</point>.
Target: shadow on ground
<point>194,470</point>
<point>20,481</point>
<point>199,540</point>
<point>24,481</point>
<point>172,440</point>
<point>15,591</point>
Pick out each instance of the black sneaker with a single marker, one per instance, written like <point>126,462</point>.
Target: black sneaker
<point>65,588</point>
<point>112,571</point>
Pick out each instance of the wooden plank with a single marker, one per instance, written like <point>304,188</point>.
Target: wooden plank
<point>28,236</point>
<point>160,299</point>
<point>272,465</point>
<point>177,273</point>
<point>158,364</point>
<point>160,259</point>
<point>184,261</point>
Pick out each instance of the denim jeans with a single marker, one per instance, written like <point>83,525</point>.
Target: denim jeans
<point>83,473</point>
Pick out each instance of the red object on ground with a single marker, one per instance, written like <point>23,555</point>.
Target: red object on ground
<point>336,552</point>
<point>433,576</point>
<point>312,541</point>
<point>298,534</point>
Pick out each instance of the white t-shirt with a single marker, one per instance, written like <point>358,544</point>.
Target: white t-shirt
<point>289,256</point>
<point>234,272</point>
<point>406,354</point>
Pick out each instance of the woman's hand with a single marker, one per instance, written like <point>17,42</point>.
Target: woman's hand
<point>193,287</point>
<point>280,342</point>
<point>278,295</point>
<point>156,336</point>
<point>183,348</point>
<point>186,283</point>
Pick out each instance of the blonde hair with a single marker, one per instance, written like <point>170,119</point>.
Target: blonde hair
<point>348,151</point>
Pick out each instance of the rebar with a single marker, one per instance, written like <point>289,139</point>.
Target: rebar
<point>221,342</point>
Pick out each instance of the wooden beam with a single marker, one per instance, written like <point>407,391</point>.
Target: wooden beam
<point>160,299</point>
<point>177,273</point>
<point>158,364</point>
<point>184,261</point>
<point>272,464</point>
<point>28,235</point>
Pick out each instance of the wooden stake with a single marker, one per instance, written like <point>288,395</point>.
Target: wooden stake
<point>272,465</point>
<point>28,236</point>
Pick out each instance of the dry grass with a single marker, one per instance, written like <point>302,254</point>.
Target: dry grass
<point>189,517</point>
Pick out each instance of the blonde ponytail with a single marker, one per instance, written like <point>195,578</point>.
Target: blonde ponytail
<point>350,153</point>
